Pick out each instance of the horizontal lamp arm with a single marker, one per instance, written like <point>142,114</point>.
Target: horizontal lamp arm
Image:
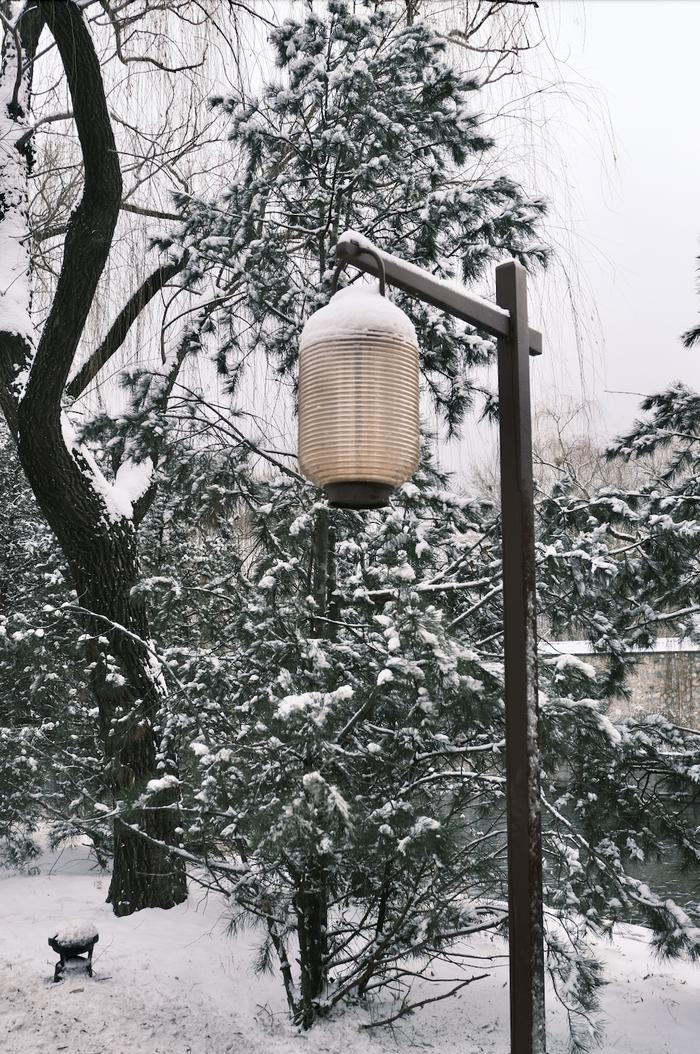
<point>357,250</point>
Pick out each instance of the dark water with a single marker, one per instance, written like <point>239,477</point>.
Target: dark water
<point>665,877</point>
<point>663,872</point>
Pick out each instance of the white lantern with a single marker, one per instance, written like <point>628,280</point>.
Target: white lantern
<point>359,426</point>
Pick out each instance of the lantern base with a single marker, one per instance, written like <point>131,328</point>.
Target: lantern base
<point>358,495</point>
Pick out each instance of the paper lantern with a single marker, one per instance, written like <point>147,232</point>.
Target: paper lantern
<point>359,426</point>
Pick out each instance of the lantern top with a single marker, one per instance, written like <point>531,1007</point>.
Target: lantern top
<point>358,309</point>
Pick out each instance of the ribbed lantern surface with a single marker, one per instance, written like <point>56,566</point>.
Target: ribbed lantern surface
<point>359,426</point>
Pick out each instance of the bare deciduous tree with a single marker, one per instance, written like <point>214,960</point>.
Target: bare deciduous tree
<point>67,207</point>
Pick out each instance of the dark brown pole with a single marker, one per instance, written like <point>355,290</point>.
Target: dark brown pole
<point>516,342</point>
<point>527,1022</point>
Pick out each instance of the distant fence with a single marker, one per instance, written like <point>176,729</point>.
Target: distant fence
<point>666,679</point>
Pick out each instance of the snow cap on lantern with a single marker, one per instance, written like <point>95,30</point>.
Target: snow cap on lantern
<point>359,426</point>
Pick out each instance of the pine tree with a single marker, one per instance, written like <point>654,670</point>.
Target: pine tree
<point>348,760</point>
<point>365,722</point>
<point>368,128</point>
<point>692,336</point>
<point>338,677</point>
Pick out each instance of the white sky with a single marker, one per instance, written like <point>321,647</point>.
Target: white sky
<point>633,193</point>
<point>616,152</point>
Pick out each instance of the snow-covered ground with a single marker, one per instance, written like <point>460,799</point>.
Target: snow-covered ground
<point>175,982</point>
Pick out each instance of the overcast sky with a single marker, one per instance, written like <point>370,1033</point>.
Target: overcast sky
<point>610,135</point>
<point>632,190</point>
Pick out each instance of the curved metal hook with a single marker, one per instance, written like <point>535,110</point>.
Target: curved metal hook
<point>380,267</point>
<point>336,275</point>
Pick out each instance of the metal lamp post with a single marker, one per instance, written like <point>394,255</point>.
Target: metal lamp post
<point>507,320</point>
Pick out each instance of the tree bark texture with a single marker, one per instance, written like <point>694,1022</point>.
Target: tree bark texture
<point>311,884</point>
<point>311,904</point>
<point>99,543</point>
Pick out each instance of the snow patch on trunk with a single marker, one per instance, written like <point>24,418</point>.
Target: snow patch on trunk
<point>132,480</point>
<point>14,232</point>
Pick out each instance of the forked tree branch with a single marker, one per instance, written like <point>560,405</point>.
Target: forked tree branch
<point>62,481</point>
<point>122,324</point>
<point>91,227</point>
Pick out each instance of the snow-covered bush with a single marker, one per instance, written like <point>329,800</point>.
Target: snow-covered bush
<point>346,739</point>
<point>50,772</point>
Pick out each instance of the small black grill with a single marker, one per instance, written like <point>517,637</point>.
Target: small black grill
<point>71,946</point>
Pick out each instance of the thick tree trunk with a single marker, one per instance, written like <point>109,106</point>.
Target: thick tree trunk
<point>311,896</point>
<point>319,573</point>
<point>98,538</point>
<point>311,905</point>
<point>143,875</point>
<point>103,558</point>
